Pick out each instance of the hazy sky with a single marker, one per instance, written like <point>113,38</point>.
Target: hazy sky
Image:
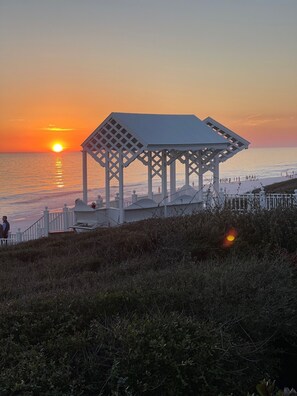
<point>66,64</point>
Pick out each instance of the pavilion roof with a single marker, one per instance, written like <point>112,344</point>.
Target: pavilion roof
<point>167,130</point>
<point>133,134</point>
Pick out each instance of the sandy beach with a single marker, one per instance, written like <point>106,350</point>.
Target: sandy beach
<point>244,186</point>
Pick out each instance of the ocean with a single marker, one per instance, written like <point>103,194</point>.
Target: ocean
<point>31,181</point>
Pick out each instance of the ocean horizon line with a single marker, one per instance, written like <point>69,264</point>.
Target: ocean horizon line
<point>65,151</point>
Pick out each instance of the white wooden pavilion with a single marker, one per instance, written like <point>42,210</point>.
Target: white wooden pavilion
<point>158,141</point>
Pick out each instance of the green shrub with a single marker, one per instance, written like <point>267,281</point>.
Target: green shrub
<point>156,307</point>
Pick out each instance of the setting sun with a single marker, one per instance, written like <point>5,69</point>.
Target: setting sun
<point>57,148</point>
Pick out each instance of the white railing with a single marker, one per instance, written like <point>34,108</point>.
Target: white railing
<point>283,200</point>
<point>11,240</point>
<point>35,231</point>
<point>49,222</point>
<point>65,219</point>
<point>247,202</point>
<point>61,221</point>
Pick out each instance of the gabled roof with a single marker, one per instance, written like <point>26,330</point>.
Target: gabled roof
<point>133,134</point>
<point>236,142</point>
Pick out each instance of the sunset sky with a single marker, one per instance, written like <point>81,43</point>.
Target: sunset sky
<point>67,64</point>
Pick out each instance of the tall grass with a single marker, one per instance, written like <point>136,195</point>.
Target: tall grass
<point>159,307</point>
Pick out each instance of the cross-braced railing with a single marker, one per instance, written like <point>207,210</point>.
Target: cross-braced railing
<point>248,202</point>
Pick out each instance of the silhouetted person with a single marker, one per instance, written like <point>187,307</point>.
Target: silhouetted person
<point>1,231</point>
<point>5,227</point>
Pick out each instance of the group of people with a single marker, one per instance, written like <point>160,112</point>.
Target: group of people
<point>4,228</point>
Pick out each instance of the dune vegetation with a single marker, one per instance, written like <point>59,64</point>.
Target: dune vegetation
<point>285,187</point>
<point>198,305</point>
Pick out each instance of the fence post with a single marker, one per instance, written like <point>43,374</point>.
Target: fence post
<point>19,235</point>
<point>250,201</point>
<point>134,196</point>
<point>207,199</point>
<point>46,221</point>
<point>65,217</point>
<point>221,198</point>
<point>99,201</point>
<point>262,199</point>
<point>117,199</point>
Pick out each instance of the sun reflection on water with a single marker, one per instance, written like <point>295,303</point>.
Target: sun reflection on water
<point>59,173</point>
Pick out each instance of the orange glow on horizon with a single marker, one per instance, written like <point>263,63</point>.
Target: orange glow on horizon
<point>54,91</point>
<point>29,135</point>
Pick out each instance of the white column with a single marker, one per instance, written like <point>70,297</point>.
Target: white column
<point>172,180</point>
<point>121,188</point>
<point>216,176</point>
<point>149,175</point>
<point>187,170</point>
<point>164,174</point>
<point>200,178</point>
<point>107,183</point>
<point>85,176</point>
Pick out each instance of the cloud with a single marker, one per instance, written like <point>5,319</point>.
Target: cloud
<point>54,128</point>
<point>261,119</point>
<point>16,120</point>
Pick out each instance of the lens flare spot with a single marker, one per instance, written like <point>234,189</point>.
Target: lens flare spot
<point>230,238</point>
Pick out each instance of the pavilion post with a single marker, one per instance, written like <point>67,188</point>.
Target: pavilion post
<point>107,183</point>
<point>172,180</point>
<point>150,176</point>
<point>200,178</point>
<point>164,175</point>
<point>216,176</point>
<point>121,188</point>
<point>187,170</point>
<point>85,176</point>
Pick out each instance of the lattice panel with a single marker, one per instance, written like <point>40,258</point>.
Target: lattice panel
<point>236,143</point>
<point>208,157</point>
<point>114,162</point>
<point>193,163</point>
<point>157,163</point>
<point>143,157</point>
<point>174,155</point>
<point>194,160</point>
<point>112,138</point>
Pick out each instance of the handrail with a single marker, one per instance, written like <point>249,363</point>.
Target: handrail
<point>35,231</point>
